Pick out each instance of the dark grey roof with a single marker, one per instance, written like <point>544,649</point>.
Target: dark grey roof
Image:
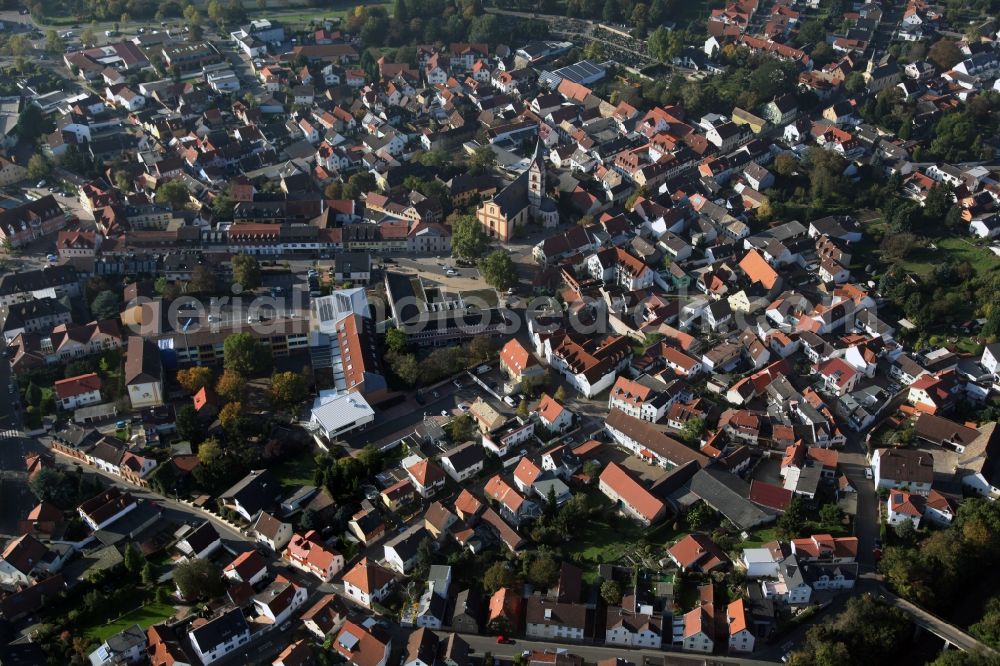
<point>727,494</point>
<point>220,630</point>
<point>464,456</point>
<point>406,544</point>
<point>352,262</point>
<point>202,537</point>
<point>43,278</point>
<point>20,313</point>
<point>257,490</point>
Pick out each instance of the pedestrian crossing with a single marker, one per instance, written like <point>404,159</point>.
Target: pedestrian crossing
<point>10,434</point>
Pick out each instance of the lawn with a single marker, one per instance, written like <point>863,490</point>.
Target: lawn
<point>145,616</point>
<point>296,472</point>
<point>759,537</point>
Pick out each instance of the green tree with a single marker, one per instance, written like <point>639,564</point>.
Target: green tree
<point>543,571</point>
<point>483,158</point>
<point>246,271</point>
<point>498,575</point>
<point>53,485</point>
<point>792,521</point>
<point>188,426</point>
<point>38,167</point>
<point>203,280</point>
<point>133,559</point>
<point>107,305</point>
<point>611,592</point>
<point>243,354</point>
<point>461,428</point>
<point>522,408</point>
<point>147,573</point>
<point>945,54</point>
<point>395,341</point>
<point>405,367</point>
<point>855,83</point>
<point>288,389</point>
<point>33,123</point>
<point>54,44</point>
<point>830,513</point>
<point>198,579</point>
<point>498,270</point>
<point>468,240</point>
<point>210,452</point>
<point>173,193</point>
<point>692,430</point>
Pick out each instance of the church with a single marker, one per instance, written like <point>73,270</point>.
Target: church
<point>524,198</point>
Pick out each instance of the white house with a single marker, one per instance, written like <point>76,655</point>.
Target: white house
<point>279,600</point>
<point>219,637</point>
<point>553,415</point>
<point>128,646</point>
<point>632,629</point>
<point>334,415</point>
<point>401,551</point>
<point>463,462</point>
<point>908,469</point>
<point>367,582</point>
<point>271,532</point>
<point>200,542</point>
<point>741,639</point>
<point>761,562</point>
<point>78,391</point>
<point>249,567</point>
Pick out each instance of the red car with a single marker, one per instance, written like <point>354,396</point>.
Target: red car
<point>503,640</point>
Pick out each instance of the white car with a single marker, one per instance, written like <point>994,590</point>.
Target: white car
<point>463,407</point>
<point>868,473</point>
<point>444,412</point>
<point>510,401</point>
<point>451,272</point>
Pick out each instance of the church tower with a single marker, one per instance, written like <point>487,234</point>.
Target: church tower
<point>536,177</point>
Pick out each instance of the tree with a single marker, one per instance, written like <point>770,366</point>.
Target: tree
<point>147,573</point>
<point>482,159</point>
<point>855,83</point>
<point>188,425</point>
<point>243,354</point>
<point>560,394</point>
<point>699,515</point>
<point>231,416</point>
<point>195,378</point>
<point>692,430</point>
<point>173,193</point>
<point>53,485</point>
<point>89,36</point>
<point>785,164</point>
<point>107,305</point>
<point>611,592</point>
<point>830,513</point>
<point>405,367</point>
<point>498,270</point>
<point>288,389</point>
<point>246,271</point>
<point>945,54</point>
<point>198,579</point>
<point>395,341</point>
<point>203,280</point>
<point>498,575</point>
<point>231,385</point>
<point>33,123</point>
<point>468,240</point>
<point>210,452</point>
<point>522,408</point>
<point>38,167</point>
<point>133,559</point>
<point>460,429</point>
<point>54,44</point>
<point>543,571</point>
<point>793,520</point>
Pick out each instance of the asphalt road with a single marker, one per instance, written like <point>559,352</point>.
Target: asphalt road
<point>594,653</point>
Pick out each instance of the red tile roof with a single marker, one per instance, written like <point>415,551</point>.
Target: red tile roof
<point>74,386</point>
<point>769,495</point>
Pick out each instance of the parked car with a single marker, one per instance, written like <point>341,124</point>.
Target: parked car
<point>868,473</point>
<point>451,272</point>
<point>510,401</point>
